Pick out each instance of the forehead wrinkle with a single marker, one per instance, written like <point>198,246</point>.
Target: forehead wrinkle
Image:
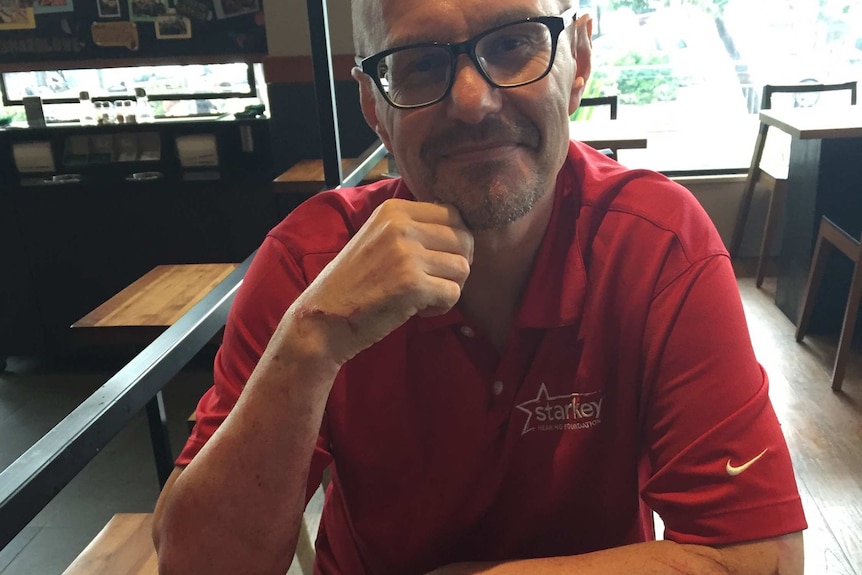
<point>514,14</point>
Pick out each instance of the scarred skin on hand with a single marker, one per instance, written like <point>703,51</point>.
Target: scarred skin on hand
<point>409,258</point>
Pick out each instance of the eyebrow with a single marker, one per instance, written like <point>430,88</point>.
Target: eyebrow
<point>500,18</point>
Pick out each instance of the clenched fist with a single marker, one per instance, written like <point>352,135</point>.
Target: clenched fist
<point>409,258</point>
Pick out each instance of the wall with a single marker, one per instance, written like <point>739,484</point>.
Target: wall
<point>290,83</point>
<point>720,196</point>
<point>287,27</point>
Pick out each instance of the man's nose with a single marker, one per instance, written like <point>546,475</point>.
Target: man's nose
<point>472,97</point>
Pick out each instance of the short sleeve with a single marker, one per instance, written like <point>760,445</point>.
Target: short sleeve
<point>720,471</point>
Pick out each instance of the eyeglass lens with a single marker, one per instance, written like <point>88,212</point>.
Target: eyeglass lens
<point>511,56</point>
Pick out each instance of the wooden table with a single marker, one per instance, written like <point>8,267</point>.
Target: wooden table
<point>306,176</point>
<point>150,305</point>
<point>613,134</point>
<point>824,178</point>
<point>137,315</point>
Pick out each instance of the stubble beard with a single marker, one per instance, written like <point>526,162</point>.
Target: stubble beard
<point>488,195</point>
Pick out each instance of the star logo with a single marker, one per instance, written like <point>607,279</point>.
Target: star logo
<point>562,412</point>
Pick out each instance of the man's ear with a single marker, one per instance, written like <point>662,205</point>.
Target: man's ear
<point>582,51</point>
<point>368,102</point>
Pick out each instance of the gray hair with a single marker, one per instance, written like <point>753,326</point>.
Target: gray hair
<point>367,26</point>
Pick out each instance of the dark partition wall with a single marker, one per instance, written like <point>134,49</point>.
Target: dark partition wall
<point>68,246</point>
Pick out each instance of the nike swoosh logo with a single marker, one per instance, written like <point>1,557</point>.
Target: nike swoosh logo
<point>733,470</point>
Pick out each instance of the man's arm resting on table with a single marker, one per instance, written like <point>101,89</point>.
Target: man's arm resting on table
<point>776,556</point>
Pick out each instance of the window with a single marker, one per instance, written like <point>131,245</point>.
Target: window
<point>174,90</point>
<point>692,71</point>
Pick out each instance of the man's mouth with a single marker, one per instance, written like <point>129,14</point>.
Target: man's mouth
<point>478,151</point>
<point>493,139</point>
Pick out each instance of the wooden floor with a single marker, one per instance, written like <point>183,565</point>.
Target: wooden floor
<point>823,428</point>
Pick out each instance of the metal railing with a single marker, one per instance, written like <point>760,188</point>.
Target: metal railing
<point>38,475</point>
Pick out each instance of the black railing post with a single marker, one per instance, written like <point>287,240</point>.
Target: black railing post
<point>160,438</point>
<point>324,89</point>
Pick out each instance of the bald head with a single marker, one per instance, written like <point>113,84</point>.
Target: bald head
<point>368,30</point>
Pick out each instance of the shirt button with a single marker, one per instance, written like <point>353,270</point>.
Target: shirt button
<point>498,387</point>
<point>467,331</point>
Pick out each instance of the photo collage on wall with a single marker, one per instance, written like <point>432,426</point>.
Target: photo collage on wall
<point>173,19</point>
<point>65,29</point>
<point>21,14</point>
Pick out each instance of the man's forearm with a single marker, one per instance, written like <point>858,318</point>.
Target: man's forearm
<point>237,507</point>
<point>776,556</point>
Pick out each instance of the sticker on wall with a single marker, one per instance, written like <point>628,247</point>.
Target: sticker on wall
<point>173,27</point>
<point>14,17</point>
<point>147,10</point>
<point>109,8</point>
<point>115,34</point>
<point>229,8</point>
<point>47,6</point>
<point>194,10</point>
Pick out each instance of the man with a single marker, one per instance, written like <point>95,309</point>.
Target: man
<point>502,357</point>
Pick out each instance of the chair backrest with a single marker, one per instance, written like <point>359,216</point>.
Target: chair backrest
<point>796,89</point>
<point>610,101</point>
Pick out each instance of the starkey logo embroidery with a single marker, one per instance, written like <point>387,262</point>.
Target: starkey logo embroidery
<point>562,412</point>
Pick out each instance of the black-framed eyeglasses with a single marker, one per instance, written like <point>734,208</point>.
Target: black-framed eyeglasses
<point>507,56</point>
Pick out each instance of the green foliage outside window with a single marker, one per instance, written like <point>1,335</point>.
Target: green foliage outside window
<point>644,79</point>
<point>637,6</point>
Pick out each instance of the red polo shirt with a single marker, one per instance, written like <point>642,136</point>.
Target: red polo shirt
<point>629,380</point>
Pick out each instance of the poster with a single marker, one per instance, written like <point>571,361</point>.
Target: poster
<point>147,10</point>
<point>173,27</point>
<point>47,6</point>
<point>15,17</point>
<point>109,8</point>
<point>229,8</point>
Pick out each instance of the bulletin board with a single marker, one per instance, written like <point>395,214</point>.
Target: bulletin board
<point>58,30</point>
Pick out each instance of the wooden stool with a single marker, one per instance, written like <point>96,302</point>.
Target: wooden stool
<point>831,235</point>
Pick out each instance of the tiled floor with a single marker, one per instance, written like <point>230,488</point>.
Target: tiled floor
<point>122,478</point>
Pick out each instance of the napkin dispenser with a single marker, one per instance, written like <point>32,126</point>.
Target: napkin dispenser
<point>197,151</point>
<point>33,157</point>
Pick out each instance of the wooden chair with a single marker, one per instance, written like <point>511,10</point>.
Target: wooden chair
<point>612,103</point>
<point>774,178</point>
<point>829,236</point>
